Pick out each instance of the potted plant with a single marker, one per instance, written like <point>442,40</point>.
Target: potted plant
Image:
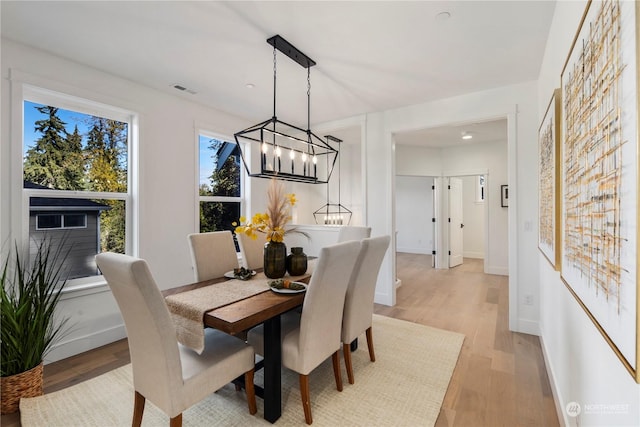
<point>29,294</point>
<point>273,224</point>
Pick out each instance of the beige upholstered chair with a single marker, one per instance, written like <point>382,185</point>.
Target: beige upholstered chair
<point>353,232</point>
<point>309,342</point>
<point>358,304</point>
<point>212,254</point>
<point>252,251</point>
<point>170,375</point>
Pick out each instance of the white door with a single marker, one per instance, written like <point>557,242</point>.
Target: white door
<point>455,222</point>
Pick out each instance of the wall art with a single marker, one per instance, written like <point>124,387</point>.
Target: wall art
<point>600,173</point>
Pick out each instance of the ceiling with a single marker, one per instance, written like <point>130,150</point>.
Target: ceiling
<point>370,55</point>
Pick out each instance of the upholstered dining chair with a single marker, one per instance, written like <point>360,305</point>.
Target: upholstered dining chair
<point>309,342</point>
<point>353,232</point>
<point>171,376</point>
<point>212,254</point>
<point>358,304</point>
<point>252,251</point>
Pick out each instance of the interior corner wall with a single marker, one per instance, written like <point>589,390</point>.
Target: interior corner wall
<point>582,367</point>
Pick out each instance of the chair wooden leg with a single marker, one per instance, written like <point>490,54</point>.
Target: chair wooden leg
<point>346,350</point>
<point>306,402</point>
<point>251,393</point>
<point>138,409</point>
<point>176,421</point>
<point>336,369</point>
<point>372,354</point>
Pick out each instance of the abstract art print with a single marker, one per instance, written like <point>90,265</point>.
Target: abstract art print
<point>548,169</point>
<point>600,173</point>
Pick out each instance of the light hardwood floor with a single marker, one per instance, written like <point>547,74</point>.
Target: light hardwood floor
<point>500,378</point>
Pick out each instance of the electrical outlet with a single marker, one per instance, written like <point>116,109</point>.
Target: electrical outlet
<point>528,299</point>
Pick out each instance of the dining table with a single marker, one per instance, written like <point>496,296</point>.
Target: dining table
<point>238,316</point>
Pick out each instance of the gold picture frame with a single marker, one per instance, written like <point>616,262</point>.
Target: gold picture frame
<point>549,182</point>
<point>599,174</point>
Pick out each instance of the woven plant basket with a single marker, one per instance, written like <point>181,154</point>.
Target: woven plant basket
<point>24,384</point>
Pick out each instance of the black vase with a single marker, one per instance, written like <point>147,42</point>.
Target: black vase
<point>275,260</point>
<point>296,262</point>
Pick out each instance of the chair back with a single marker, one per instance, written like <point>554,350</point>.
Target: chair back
<point>321,319</point>
<point>358,305</point>
<point>155,358</point>
<point>252,251</point>
<point>212,254</point>
<point>353,232</point>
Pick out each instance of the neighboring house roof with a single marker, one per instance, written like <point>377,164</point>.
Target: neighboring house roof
<point>60,204</point>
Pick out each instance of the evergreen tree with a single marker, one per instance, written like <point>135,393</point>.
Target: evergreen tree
<point>106,153</point>
<point>225,181</point>
<point>55,160</point>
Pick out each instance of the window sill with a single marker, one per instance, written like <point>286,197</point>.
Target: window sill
<point>77,290</point>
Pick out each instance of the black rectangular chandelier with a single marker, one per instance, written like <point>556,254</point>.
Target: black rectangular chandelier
<point>276,149</point>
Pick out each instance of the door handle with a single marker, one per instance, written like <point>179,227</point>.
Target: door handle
<point>461,225</point>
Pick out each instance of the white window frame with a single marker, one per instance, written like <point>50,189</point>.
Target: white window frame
<point>26,87</point>
<point>200,130</point>
<point>62,222</point>
<point>480,195</point>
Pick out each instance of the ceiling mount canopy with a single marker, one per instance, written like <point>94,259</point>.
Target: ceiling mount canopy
<point>276,149</point>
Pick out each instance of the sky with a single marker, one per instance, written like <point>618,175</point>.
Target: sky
<point>31,115</point>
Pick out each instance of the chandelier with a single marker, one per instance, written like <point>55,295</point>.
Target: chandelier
<point>333,213</point>
<point>276,149</point>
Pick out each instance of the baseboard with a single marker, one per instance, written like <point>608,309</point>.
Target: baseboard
<point>530,327</point>
<point>502,271</point>
<point>554,386</point>
<point>407,250</point>
<point>475,255</point>
<point>84,343</point>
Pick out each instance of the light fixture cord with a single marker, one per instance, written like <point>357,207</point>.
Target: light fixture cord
<point>308,99</point>
<point>339,202</point>
<point>274,80</point>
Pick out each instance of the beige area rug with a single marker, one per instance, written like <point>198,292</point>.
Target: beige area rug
<point>404,387</point>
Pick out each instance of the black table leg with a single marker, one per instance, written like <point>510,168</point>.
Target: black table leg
<point>354,345</point>
<point>272,368</point>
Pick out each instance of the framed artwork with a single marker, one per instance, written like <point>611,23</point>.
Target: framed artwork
<point>599,167</point>
<point>504,196</point>
<point>548,189</point>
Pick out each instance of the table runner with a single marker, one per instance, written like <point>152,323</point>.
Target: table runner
<point>188,308</point>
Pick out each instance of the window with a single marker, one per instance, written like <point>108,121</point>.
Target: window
<point>480,182</point>
<point>60,221</point>
<point>220,183</point>
<point>76,177</point>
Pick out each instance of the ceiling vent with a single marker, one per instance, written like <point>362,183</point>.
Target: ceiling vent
<point>184,89</point>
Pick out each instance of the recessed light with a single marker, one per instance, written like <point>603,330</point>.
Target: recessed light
<point>249,85</point>
<point>466,135</point>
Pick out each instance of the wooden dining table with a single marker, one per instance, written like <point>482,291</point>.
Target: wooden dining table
<point>238,317</point>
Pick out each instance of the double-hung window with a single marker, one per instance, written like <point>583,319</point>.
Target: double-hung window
<point>220,183</point>
<point>76,178</point>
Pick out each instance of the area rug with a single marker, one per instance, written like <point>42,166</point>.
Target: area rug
<point>405,386</point>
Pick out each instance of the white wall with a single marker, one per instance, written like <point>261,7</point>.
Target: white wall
<point>414,212</point>
<point>583,368</point>
<point>473,219</point>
